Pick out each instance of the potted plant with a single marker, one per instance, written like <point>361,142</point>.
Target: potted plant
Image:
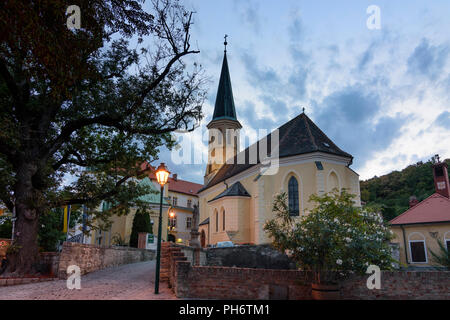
<point>335,239</point>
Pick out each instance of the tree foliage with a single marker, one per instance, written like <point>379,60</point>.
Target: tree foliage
<point>92,103</point>
<point>442,256</point>
<point>391,192</point>
<point>141,223</point>
<point>5,227</point>
<point>334,239</point>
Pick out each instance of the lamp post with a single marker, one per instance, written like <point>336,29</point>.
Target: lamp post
<point>162,174</point>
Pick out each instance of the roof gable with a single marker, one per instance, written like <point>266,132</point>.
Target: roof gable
<point>183,186</point>
<point>435,208</point>
<point>236,190</point>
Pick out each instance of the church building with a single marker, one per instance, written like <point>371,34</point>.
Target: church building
<point>237,196</point>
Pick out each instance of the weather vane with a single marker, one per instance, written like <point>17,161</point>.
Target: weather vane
<point>225,43</point>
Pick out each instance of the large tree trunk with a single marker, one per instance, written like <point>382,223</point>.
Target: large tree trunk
<point>23,257</point>
<point>23,254</point>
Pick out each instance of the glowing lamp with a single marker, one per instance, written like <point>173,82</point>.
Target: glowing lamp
<point>162,174</point>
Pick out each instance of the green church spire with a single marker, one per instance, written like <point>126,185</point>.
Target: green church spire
<point>224,107</point>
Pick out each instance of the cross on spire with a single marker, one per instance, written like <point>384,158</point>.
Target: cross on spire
<point>225,43</point>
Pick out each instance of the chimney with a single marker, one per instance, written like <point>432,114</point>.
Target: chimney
<point>441,183</point>
<point>413,201</point>
<point>175,176</point>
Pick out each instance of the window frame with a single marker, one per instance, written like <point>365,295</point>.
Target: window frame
<point>188,222</point>
<point>223,220</point>
<point>447,240</point>
<point>217,220</point>
<point>424,248</point>
<point>295,195</point>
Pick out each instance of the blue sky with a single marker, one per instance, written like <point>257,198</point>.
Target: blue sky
<point>381,95</point>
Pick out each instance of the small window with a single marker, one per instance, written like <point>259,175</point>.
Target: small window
<point>188,223</point>
<point>319,165</point>
<point>418,254</point>
<point>174,201</point>
<point>189,203</point>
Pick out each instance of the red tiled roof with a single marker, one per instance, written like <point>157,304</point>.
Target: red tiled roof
<point>435,208</point>
<point>177,185</point>
<point>183,186</point>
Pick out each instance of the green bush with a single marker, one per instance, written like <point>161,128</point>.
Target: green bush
<point>141,223</point>
<point>334,239</point>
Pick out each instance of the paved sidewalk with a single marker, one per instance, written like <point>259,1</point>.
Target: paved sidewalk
<point>127,282</point>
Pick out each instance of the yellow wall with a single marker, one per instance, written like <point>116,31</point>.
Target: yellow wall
<point>122,225</point>
<point>255,211</point>
<point>420,232</point>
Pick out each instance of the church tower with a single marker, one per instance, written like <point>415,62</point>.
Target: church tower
<point>223,143</point>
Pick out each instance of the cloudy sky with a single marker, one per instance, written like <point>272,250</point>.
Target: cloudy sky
<point>382,95</point>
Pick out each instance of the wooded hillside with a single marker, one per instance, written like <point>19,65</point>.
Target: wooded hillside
<point>392,191</point>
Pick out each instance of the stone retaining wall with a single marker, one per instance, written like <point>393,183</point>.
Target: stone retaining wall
<point>252,256</point>
<point>212,282</point>
<point>92,257</point>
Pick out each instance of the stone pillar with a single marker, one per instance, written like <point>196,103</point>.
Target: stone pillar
<point>195,242</point>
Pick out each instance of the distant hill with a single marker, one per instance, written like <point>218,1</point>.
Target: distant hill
<point>392,191</point>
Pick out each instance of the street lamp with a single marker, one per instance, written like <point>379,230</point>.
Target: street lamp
<point>162,174</point>
<point>171,226</point>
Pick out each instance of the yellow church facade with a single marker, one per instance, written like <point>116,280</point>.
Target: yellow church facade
<point>241,218</point>
<point>237,197</point>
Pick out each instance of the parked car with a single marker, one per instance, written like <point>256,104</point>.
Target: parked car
<point>225,244</point>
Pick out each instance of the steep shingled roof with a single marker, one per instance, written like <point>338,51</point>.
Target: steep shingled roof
<point>237,189</point>
<point>297,136</point>
<point>224,107</point>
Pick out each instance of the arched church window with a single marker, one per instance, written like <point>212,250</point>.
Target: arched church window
<point>293,197</point>
<point>223,217</point>
<point>333,182</point>
<point>217,221</point>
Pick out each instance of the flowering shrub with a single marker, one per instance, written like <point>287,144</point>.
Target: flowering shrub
<point>334,239</point>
